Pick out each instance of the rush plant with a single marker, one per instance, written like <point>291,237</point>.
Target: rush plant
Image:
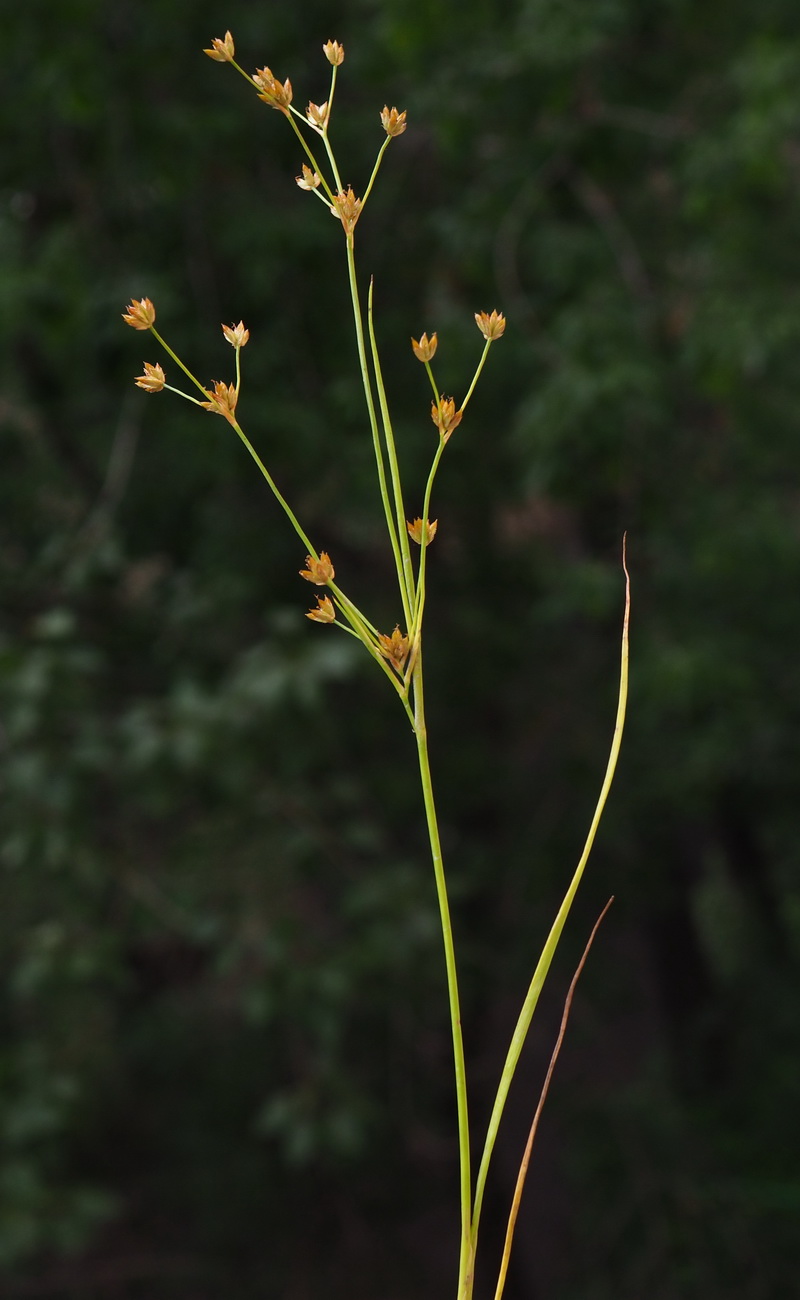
<point>397,654</point>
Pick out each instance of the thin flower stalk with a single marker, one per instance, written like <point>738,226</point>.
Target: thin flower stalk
<point>405,565</point>
<point>373,422</point>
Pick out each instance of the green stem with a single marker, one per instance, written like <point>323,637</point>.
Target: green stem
<point>426,510</point>
<point>378,162</point>
<point>466,1251</point>
<point>373,423</point>
<point>548,951</point>
<point>177,361</point>
<point>477,374</point>
<point>280,498</point>
<point>405,568</point>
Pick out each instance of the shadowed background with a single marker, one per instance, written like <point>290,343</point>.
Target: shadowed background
<point>224,1051</point>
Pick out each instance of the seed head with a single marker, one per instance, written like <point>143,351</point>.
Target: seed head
<point>320,571</point>
<point>348,208</point>
<point>424,347</point>
<point>271,91</point>
<point>491,327</point>
<point>236,335</point>
<point>325,612</point>
<point>445,416</point>
<point>317,115</point>
<point>394,648</point>
<point>222,401</point>
<point>141,314</point>
<point>309,180</point>
<point>153,379</point>
<point>221,49</point>
<point>394,123</point>
<point>334,52</point>
<point>419,530</point>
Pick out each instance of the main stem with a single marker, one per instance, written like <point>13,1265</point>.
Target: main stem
<point>465,1268</point>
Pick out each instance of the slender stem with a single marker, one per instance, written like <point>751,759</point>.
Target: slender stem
<point>426,509</point>
<point>378,162</point>
<point>477,374</point>
<point>310,155</point>
<point>420,729</point>
<point>177,361</point>
<point>405,568</point>
<point>526,1158</point>
<point>373,422</point>
<point>280,498</point>
<point>551,943</point>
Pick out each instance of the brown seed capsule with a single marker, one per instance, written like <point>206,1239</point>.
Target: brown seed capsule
<point>445,416</point>
<point>221,49</point>
<point>424,347</point>
<point>418,530</point>
<point>309,180</point>
<point>222,401</point>
<point>271,91</point>
<point>394,123</point>
<point>394,648</point>
<point>153,379</point>
<point>491,327</point>
<point>236,335</point>
<point>334,52</point>
<point>347,208</point>
<point>317,115</point>
<point>320,571</point>
<point>141,314</point>
<point>325,612</point>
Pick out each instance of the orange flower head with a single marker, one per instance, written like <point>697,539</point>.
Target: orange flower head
<point>491,327</point>
<point>419,530</point>
<point>320,571</point>
<point>325,612</point>
<point>141,314</point>
<point>153,379</point>
<point>394,648</point>
<point>222,49</point>
<point>222,401</point>
<point>309,180</point>
<point>334,52</point>
<point>394,123</point>
<point>424,347</point>
<point>347,208</point>
<point>445,416</point>
<point>236,335</point>
<point>271,91</point>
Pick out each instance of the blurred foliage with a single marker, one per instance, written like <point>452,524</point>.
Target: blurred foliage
<point>224,1065</point>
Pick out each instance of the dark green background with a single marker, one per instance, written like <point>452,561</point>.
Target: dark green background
<point>224,1062</point>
